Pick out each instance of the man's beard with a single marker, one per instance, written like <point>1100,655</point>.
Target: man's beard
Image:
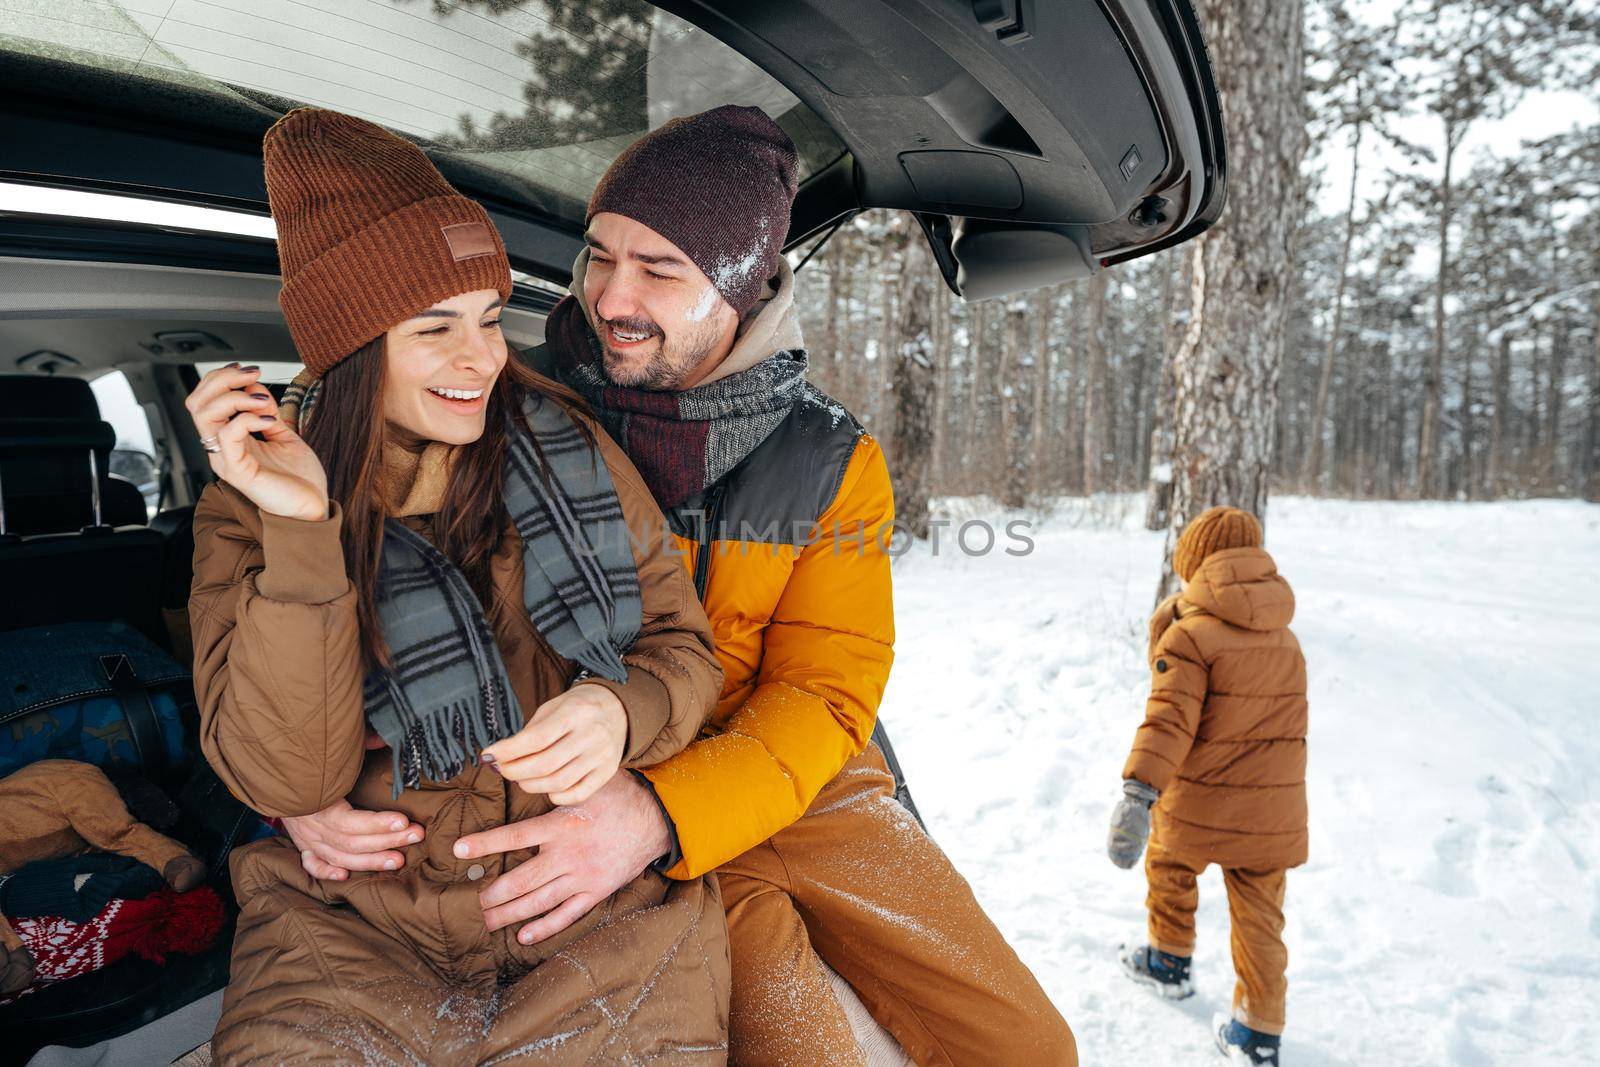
<point>666,367</point>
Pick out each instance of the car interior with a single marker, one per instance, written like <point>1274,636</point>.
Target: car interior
<point>1033,143</point>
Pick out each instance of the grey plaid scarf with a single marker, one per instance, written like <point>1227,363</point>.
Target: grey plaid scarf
<point>446,694</point>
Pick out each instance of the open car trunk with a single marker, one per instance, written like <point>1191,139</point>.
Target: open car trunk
<point>1034,141</point>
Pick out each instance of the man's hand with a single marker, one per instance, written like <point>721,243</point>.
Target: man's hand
<point>1130,823</point>
<point>586,853</point>
<point>570,747</point>
<point>340,839</point>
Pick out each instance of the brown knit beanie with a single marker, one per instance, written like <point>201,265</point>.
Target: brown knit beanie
<point>369,233</point>
<point>718,185</point>
<point>1214,530</point>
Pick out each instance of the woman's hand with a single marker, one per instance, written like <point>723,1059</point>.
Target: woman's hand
<point>569,749</point>
<point>278,473</point>
<point>340,839</point>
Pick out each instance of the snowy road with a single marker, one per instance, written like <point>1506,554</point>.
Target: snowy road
<point>1450,914</point>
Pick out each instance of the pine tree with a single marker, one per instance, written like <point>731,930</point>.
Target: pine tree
<point>1477,58</point>
<point>1358,89</point>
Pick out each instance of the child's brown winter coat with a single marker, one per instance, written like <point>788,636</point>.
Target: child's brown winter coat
<point>1224,735</point>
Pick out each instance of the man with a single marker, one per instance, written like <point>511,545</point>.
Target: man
<point>681,332</point>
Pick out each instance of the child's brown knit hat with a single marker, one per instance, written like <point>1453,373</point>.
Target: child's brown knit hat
<point>1211,531</point>
<point>369,233</point>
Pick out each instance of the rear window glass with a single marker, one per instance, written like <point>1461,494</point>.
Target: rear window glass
<point>271,373</point>
<point>122,410</point>
<point>546,95</point>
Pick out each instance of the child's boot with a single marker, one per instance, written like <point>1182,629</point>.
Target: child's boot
<point>1167,974</point>
<point>1243,1045</point>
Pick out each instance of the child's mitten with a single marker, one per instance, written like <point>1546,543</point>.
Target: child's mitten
<point>1130,823</point>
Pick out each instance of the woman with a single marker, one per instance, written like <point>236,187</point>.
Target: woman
<point>426,581</point>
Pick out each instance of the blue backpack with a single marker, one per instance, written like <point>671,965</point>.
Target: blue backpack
<point>99,692</point>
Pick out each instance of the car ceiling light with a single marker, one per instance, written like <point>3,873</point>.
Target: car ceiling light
<point>77,204</point>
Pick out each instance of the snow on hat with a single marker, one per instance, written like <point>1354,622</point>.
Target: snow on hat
<point>369,233</point>
<point>718,185</point>
<point>1214,530</point>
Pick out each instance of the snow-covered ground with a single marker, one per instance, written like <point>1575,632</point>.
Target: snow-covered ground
<point>1450,914</point>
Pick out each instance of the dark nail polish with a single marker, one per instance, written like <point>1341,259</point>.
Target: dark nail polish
<point>262,396</point>
<point>235,363</point>
<point>250,369</point>
<point>487,758</point>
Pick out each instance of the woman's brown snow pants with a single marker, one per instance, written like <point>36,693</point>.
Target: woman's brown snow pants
<point>1255,919</point>
<point>314,982</point>
<point>857,880</point>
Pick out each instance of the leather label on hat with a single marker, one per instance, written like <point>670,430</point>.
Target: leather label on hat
<point>469,239</point>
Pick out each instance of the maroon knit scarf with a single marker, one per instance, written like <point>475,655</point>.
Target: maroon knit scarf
<point>684,441</point>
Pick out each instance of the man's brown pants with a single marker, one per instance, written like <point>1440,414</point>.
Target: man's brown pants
<point>858,880</point>
<point>1255,919</point>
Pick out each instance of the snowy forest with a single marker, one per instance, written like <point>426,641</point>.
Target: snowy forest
<point>1439,333</point>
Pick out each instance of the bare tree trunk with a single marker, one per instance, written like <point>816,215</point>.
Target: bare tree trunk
<point>976,382</point>
<point>1394,426</point>
<point>1094,382</point>
<point>853,364</point>
<point>1074,397</point>
<point>914,387</point>
<point>1529,468</point>
<point>888,335</point>
<point>1044,373</point>
<point>829,354</point>
<point>1109,381</point>
<point>1464,484</point>
<point>941,389</point>
<point>1158,493</point>
<point>1552,405</point>
<point>1013,449</point>
<point>1591,448</point>
<point>1428,446</point>
<point>1502,399</point>
<point>1361,481</point>
<point>1227,368</point>
<point>1312,470</point>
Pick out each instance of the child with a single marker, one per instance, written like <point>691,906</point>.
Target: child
<point>1221,759</point>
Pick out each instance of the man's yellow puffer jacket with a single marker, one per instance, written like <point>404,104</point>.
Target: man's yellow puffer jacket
<point>796,584</point>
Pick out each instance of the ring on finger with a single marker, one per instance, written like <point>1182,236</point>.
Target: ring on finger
<point>211,444</point>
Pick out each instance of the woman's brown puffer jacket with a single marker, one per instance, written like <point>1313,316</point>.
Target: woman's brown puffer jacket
<point>398,966</point>
<point>1224,734</point>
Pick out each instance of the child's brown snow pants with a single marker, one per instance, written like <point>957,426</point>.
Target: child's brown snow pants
<point>858,880</point>
<point>1255,919</point>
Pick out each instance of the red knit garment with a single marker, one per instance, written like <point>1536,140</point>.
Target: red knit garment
<point>184,924</point>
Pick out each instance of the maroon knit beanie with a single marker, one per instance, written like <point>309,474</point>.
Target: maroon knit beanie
<point>369,233</point>
<point>719,186</point>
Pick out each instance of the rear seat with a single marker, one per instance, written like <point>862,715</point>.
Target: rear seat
<point>60,561</point>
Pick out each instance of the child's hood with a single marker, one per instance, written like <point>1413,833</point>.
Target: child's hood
<point>1242,586</point>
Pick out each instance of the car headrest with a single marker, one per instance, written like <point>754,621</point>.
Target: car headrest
<point>30,396</point>
<point>46,436</point>
<point>44,474</point>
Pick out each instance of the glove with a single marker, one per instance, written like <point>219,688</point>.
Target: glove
<point>1130,823</point>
